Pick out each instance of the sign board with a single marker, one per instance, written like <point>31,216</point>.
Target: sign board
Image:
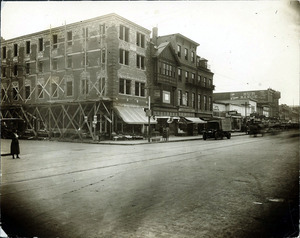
<point>166,97</point>
<point>148,113</point>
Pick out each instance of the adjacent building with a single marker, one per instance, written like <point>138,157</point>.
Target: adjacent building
<point>182,85</point>
<point>94,78</point>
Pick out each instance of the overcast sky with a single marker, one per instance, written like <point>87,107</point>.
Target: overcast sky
<point>250,45</point>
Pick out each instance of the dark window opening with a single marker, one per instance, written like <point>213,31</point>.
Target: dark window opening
<point>54,38</point>
<point>27,47</point>
<point>41,44</point>
<point>15,50</point>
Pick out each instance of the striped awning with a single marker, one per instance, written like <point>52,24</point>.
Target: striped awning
<point>133,115</point>
<point>195,120</point>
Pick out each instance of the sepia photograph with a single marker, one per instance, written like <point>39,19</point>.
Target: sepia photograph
<point>143,119</point>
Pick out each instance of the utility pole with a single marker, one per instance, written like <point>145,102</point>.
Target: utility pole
<point>149,116</point>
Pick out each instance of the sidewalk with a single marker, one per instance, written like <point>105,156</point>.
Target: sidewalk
<point>171,139</point>
<point>135,142</point>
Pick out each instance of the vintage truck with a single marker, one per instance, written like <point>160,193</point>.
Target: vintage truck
<point>218,128</point>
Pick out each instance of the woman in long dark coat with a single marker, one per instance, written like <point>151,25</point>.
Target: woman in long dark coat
<point>14,146</point>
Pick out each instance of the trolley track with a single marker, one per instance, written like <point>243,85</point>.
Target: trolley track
<point>156,154</point>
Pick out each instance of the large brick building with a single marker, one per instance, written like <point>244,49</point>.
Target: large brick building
<point>94,77</point>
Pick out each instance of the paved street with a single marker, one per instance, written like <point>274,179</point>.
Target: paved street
<point>242,187</point>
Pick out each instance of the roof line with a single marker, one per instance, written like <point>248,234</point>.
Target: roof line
<point>78,23</point>
<point>184,37</point>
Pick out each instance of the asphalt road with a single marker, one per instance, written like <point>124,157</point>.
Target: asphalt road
<point>242,187</point>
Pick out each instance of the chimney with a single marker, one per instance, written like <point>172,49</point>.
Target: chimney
<point>154,35</point>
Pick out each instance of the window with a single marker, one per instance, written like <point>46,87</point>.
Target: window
<point>41,44</point>
<point>124,33</point>
<point>199,101</point>
<point>140,89</point>
<point>3,72</point>
<point>199,78</point>
<point>193,100</point>
<point>69,88</point>
<point>205,102</point>
<point>180,101</point>
<point>186,75</point>
<point>54,64</point>
<point>69,62</point>
<point>167,70</point>
<point>4,52</point>
<point>209,103</point>
<point>186,53</point>
<point>40,66</point>
<point>209,82</point>
<point>179,74</point>
<point>102,29</point>
<point>54,40</point>
<point>125,86</point>
<point>179,50</point>
<point>27,89</point>
<point>140,40</point>
<point>15,50</point>
<point>15,90</point>
<point>140,62</point>
<point>54,90</point>
<point>187,95</point>
<point>84,86</point>
<point>193,56</point>
<point>15,70</point>
<point>27,68</point>
<point>124,57</point>
<point>27,47</point>
<point>69,38</point>
<point>103,56</point>
<point>193,78</point>
<point>204,81</point>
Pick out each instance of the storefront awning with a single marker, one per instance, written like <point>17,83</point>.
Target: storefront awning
<point>195,120</point>
<point>133,115</point>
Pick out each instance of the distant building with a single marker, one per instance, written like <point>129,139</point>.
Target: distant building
<point>289,114</point>
<point>267,100</point>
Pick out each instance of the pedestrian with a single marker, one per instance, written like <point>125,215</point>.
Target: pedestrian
<point>168,133</point>
<point>14,146</point>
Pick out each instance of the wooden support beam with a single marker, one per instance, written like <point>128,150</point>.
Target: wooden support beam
<point>29,122</point>
<point>70,120</point>
<point>54,119</point>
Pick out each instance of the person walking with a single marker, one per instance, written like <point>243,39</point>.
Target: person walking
<point>14,146</point>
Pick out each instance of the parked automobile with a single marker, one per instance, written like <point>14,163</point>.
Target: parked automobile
<point>218,128</point>
<point>10,125</point>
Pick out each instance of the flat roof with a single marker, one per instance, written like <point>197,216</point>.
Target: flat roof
<point>79,23</point>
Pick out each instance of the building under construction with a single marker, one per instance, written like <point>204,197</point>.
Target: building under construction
<point>94,79</point>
